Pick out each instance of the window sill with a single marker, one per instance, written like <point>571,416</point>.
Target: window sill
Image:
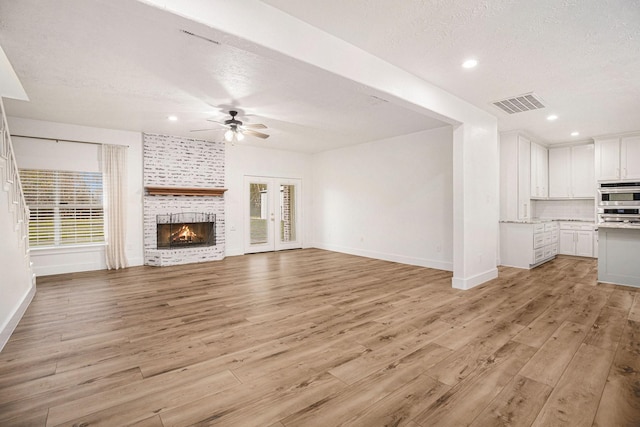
<point>68,249</point>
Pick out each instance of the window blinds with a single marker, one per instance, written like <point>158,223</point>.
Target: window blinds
<point>66,207</point>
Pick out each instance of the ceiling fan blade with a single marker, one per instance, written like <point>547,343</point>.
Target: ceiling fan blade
<point>255,133</point>
<point>217,122</point>
<point>202,130</point>
<point>254,126</point>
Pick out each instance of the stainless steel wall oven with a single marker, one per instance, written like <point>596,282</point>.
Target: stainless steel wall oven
<point>619,202</point>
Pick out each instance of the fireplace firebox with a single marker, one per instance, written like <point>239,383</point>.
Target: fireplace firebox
<point>186,230</point>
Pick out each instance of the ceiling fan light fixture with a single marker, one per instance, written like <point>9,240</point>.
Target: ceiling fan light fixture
<point>239,136</point>
<point>228,135</point>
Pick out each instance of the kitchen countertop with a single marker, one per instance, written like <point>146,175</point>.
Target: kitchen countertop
<point>627,225</point>
<point>527,221</point>
<point>542,221</point>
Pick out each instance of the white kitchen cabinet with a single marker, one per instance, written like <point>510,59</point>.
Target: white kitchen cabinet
<point>576,239</point>
<point>524,178</point>
<point>567,242</point>
<point>584,243</point>
<point>559,173</point>
<point>618,158</point>
<point>630,157</point>
<point>618,255</point>
<point>539,171</point>
<point>515,175</point>
<point>608,159</point>
<point>571,172</point>
<point>527,245</point>
<point>583,183</point>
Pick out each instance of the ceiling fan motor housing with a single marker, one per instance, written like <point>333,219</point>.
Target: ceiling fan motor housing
<point>232,121</point>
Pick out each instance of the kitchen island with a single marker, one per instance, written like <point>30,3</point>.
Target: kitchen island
<point>619,254</point>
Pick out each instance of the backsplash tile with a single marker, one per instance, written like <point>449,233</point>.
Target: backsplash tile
<point>564,209</point>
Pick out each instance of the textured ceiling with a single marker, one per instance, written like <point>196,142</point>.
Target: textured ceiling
<point>125,65</point>
<point>581,56</point>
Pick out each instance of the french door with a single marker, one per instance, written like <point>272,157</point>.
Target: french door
<point>272,214</point>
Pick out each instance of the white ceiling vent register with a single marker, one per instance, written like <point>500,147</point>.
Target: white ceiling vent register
<point>520,104</point>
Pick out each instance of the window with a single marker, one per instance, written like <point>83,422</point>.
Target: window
<point>66,207</point>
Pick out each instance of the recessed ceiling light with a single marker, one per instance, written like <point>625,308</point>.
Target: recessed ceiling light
<point>172,118</point>
<point>470,63</point>
<point>575,133</point>
<point>552,117</point>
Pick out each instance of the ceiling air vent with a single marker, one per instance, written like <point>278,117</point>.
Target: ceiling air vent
<point>520,103</point>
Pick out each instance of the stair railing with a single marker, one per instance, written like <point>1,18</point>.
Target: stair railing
<point>11,184</point>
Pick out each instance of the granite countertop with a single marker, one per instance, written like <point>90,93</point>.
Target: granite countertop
<point>626,225</point>
<point>527,221</point>
<point>542,221</point>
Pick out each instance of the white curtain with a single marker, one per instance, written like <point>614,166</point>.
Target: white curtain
<point>114,170</point>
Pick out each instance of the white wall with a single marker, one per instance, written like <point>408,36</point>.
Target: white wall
<point>242,160</point>
<point>475,136</point>
<point>389,199</point>
<point>16,287</point>
<point>34,153</point>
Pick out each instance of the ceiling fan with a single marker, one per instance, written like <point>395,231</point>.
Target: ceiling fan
<point>236,130</point>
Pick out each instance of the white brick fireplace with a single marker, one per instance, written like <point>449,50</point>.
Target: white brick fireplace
<point>181,176</point>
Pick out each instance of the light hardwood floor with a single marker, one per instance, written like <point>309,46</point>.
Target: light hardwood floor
<point>316,338</point>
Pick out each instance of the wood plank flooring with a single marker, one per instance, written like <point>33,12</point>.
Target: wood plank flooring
<point>317,338</point>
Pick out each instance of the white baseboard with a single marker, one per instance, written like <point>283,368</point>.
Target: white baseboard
<point>10,326</point>
<point>67,268</point>
<point>473,281</point>
<point>234,251</point>
<point>403,259</point>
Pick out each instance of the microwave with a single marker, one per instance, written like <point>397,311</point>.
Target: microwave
<point>619,194</point>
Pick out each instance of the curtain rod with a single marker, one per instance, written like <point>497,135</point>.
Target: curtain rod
<point>65,140</point>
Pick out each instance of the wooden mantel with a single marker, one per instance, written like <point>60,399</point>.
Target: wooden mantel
<point>181,191</point>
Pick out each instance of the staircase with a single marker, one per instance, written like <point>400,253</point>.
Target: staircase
<point>10,184</point>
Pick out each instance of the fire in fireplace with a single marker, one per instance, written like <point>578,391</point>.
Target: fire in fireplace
<point>184,230</point>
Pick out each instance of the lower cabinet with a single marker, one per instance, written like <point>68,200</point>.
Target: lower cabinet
<point>527,245</point>
<point>577,239</point>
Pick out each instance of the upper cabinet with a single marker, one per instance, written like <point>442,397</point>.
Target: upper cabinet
<point>630,157</point>
<point>559,173</point>
<point>571,172</point>
<point>515,177</point>
<point>618,158</point>
<point>583,182</point>
<point>539,171</point>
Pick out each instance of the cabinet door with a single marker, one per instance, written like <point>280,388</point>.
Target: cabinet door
<point>608,159</point>
<point>630,157</point>
<point>584,243</point>
<point>559,172</point>
<point>524,178</point>
<point>534,170</point>
<point>543,171</point>
<point>567,242</point>
<point>539,171</point>
<point>583,181</point>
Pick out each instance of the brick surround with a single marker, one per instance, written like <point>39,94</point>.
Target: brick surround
<point>171,161</point>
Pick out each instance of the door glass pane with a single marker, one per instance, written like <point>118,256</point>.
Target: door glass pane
<point>259,209</point>
<point>288,213</point>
